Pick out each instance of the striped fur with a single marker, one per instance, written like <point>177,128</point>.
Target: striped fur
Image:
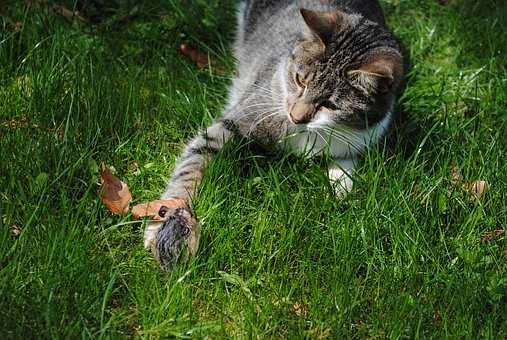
<point>314,77</point>
<point>190,166</point>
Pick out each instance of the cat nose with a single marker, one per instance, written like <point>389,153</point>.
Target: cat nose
<point>302,112</point>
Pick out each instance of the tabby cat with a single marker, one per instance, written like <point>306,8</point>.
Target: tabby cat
<point>314,77</point>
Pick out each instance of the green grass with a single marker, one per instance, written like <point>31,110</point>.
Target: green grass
<point>401,257</point>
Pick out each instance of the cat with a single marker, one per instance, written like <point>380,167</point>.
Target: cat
<point>313,77</point>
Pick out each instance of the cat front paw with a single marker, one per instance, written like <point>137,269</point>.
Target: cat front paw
<point>341,182</point>
<point>342,187</point>
<point>175,238</point>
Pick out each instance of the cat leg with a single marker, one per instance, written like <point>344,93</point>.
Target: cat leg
<point>340,176</point>
<point>180,231</point>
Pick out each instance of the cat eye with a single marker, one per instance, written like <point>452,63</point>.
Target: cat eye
<point>328,105</point>
<point>299,80</point>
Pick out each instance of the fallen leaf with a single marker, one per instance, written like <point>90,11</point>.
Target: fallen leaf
<point>15,231</point>
<point>115,194</point>
<point>134,168</point>
<point>476,189</point>
<point>200,58</point>
<point>300,309</point>
<point>488,236</point>
<point>16,123</point>
<point>153,209</point>
<point>455,175</point>
<point>69,14</point>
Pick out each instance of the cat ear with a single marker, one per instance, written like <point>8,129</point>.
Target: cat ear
<point>322,24</point>
<point>380,75</point>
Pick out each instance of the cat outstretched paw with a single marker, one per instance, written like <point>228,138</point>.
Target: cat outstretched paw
<point>175,238</point>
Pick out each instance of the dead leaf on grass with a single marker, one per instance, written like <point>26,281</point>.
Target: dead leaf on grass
<point>69,14</point>
<point>115,194</point>
<point>476,189</point>
<point>154,209</point>
<point>16,123</point>
<point>455,175</point>
<point>488,236</point>
<point>15,232</point>
<point>134,168</point>
<point>200,58</point>
<point>300,309</point>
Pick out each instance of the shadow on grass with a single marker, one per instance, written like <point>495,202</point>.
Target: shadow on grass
<point>482,31</point>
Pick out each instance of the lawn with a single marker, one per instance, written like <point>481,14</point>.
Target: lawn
<point>408,254</point>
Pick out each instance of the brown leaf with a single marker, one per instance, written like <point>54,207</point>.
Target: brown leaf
<point>16,123</point>
<point>115,194</point>
<point>300,309</point>
<point>476,189</point>
<point>69,14</point>
<point>455,175</point>
<point>200,58</point>
<point>152,209</point>
<point>15,231</point>
<point>488,236</point>
<point>134,168</point>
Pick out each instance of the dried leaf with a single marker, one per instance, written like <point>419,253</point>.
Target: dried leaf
<point>200,58</point>
<point>16,123</point>
<point>134,168</point>
<point>300,309</point>
<point>455,175</point>
<point>477,189</point>
<point>115,194</point>
<point>15,231</point>
<point>152,209</point>
<point>488,236</point>
<point>69,14</point>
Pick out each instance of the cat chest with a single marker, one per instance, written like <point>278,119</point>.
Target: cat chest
<point>342,142</point>
<point>320,143</point>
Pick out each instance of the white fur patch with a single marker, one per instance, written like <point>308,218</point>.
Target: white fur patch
<point>343,142</point>
<point>340,177</point>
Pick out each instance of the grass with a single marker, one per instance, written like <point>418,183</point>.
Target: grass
<point>404,256</point>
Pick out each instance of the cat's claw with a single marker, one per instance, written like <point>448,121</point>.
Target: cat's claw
<point>175,238</point>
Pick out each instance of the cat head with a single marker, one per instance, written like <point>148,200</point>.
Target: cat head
<point>345,70</point>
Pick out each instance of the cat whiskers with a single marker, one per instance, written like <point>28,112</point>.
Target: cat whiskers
<point>263,117</point>
<point>346,137</point>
